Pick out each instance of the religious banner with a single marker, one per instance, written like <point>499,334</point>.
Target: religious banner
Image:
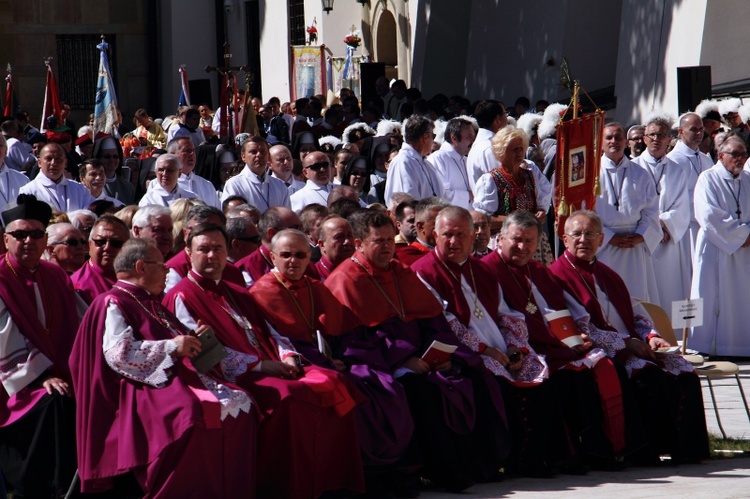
<point>52,106</point>
<point>338,66</point>
<point>308,71</point>
<point>579,151</point>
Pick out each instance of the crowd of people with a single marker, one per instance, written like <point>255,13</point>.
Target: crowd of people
<point>356,298</point>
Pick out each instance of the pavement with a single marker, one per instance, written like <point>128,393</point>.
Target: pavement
<point>716,478</point>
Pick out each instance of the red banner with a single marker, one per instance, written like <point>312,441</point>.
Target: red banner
<point>51,102</point>
<point>579,151</point>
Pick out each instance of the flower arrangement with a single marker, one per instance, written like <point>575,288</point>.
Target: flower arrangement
<point>352,39</point>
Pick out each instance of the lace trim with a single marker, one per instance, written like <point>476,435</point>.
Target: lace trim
<point>231,401</point>
<point>143,361</point>
<point>235,364</point>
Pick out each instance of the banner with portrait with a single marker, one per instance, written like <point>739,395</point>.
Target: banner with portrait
<point>345,76</point>
<point>579,151</point>
<point>308,71</point>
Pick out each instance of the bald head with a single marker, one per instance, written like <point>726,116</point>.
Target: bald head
<point>317,168</point>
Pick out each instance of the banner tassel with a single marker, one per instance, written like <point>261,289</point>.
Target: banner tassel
<point>597,188</point>
<point>562,209</point>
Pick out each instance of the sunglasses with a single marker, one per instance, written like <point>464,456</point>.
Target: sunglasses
<point>317,166</point>
<point>299,255</point>
<point>73,242</point>
<point>115,243</point>
<point>21,235</point>
<point>253,239</point>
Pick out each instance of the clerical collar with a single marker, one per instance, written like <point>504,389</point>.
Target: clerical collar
<point>425,244</point>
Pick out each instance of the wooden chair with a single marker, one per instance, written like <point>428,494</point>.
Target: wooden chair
<point>709,371</point>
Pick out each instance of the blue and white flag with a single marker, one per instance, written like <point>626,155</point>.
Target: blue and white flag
<point>105,105</point>
<point>185,91</point>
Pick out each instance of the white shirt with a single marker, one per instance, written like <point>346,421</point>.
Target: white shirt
<point>410,173</point>
<point>311,193</point>
<point>63,196</point>
<point>261,193</point>
<point>485,191</point>
<point>159,195</point>
<point>481,159</point>
<point>204,189</point>
<point>292,185</point>
<point>451,170</point>
<point>11,182</point>
<point>103,196</point>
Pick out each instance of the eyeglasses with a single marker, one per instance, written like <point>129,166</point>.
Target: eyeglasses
<point>115,243</point>
<point>736,154</point>
<point>636,139</point>
<point>589,234</point>
<point>21,235</point>
<point>317,166</point>
<point>72,242</point>
<point>253,239</point>
<point>656,136</point>
<point>299,255</point>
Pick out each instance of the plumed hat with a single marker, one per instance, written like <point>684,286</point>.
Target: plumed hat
<point>529,122</point>
<point>28,208</point>
<point>550,119</point>
<point>356,132</point>
<point>708,109</point>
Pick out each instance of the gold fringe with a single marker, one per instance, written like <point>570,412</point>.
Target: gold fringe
<point>597,188</point>
<point>562,209</point>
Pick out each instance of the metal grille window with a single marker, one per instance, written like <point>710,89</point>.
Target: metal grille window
<point>77,68</point>
<point>297,22</point>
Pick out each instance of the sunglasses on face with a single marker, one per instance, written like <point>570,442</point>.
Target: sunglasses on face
<point>21,235</point>
<point>115,243</point>
<point>318,166</point>
<point>71,241</point>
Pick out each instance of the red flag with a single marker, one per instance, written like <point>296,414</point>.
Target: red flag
<point>8,109</point>
<point>52,105</point>
<point>579,151</point>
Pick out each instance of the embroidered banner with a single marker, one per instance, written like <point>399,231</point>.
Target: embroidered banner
<point>579,151</point>
<point>308,71</point>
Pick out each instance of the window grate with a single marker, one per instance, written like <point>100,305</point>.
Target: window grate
<point>77,68</point>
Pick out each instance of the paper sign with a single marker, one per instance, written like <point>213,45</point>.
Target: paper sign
<point>687,313</point>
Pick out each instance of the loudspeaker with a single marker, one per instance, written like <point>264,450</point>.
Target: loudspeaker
<point>200,92</point>
<point>369,72</point>
<point>693,85</point>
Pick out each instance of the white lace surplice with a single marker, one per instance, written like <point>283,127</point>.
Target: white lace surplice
<point>149,362</point>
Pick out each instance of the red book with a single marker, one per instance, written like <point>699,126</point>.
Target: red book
<point>564,328</point>
<point>438,353</point>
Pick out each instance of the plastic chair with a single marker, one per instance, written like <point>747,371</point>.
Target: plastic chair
<point>709,371</point>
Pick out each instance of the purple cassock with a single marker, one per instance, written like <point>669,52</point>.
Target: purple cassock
<point>90,281</point>
<point>172,438</point>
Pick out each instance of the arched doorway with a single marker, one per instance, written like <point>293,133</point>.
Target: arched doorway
<point>385,44</point>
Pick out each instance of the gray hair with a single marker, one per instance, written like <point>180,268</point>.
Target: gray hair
<point>732,138</point>
<point>201,213</point>
<point>237,226</point>
<point>591,215</point>
<point>521,219</point>
<point>289,233</point>
<point>55,232</point>
<point>425,206</point>
<point>132,251</point>
<point>397,198</point>
<point>451,213</point>
<point>168,158</point>
<point>74,215</point>
<point>143,216</point>
<point>174,144</point>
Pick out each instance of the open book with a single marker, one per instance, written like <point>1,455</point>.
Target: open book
<point>438,353</point>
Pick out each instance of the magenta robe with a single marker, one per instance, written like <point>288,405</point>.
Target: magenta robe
<point>55,341</point>
<point>311,415</point>
<point>90,281</point>
<point>124,426</point>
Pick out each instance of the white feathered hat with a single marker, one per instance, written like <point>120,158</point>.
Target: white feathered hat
<point>744,112</point>
<point>550,119</point>
<point>439,131</point>
<point>356,132</point>
<point>529,122</point>
<point>387,127</point>
<point>730,105</point>
<point>707,107</point>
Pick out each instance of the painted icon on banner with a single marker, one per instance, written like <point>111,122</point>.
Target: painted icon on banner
<point>577,173</point>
